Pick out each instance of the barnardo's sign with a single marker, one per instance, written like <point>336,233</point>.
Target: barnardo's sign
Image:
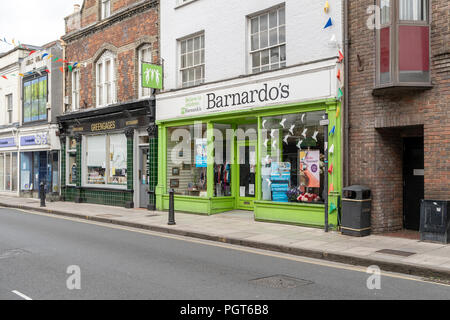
<point>239,96</point>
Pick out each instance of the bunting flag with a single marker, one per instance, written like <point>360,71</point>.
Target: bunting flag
<point>327,7</point>
<point>340,93</point>
<point>339,74</point>
<point>331,187</point>
<point>48,71</point>
<point>332,207</point>
<point>44,55</point>
<point>338,112</point>
<point>329,23</point>
<point>4,77</point>
<point>333,130</point>
<point>341,56</point>
<point>70,68</point>
<point>330,169</point>
<point>62,69</point>
<point>31,52</point>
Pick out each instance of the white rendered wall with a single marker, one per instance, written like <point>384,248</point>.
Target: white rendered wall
<point>225,26</point>
<point>9,64</point>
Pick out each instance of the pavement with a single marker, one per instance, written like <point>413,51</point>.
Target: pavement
<point>407,256</point>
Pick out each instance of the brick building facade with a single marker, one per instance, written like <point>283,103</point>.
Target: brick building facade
<point>389,122</point>
<point>105,104</point>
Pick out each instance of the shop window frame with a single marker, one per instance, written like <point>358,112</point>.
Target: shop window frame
<point>394,24</point>
<point>68,153</point>
<point>35,76</point>
<point>84,168</point>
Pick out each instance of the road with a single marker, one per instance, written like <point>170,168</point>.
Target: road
<point>36,251</point>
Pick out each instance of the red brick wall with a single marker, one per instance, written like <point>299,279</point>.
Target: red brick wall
<point>123,38</point>
<point>375,153</point>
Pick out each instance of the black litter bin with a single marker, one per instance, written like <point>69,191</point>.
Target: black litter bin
<point>434,221</point>
<point>356,207</point>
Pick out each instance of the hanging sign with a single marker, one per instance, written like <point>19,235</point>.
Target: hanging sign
<point>152,76</point>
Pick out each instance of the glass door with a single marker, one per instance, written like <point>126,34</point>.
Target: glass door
<point>247,168</point>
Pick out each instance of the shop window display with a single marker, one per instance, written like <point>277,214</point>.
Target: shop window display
<point>222,160</point>
<point>106,160</point>
<point>187,160</point>
<point>292,168</point>
<point>8,171</point>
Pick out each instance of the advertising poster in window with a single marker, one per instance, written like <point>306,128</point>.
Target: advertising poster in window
<point>42,99</point>
<point>27,103</point>
<point>310,168</point>
<point>201,153</point>
<point>35,101</point>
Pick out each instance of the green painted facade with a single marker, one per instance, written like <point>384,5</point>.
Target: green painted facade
<point>295,213</point>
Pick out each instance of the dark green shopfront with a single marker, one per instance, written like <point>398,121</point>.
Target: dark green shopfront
<point>109,155</point>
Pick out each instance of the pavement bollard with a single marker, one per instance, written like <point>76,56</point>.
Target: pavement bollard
<point>171,208</point>
<point>42,194</point>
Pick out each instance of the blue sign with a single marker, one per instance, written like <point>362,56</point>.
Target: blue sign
<point>8,142</point>
<point>37,139</point>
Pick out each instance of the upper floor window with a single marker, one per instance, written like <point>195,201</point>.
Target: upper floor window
<point>403,51</point>
<point>9,108</point>
<point>35,99</point>
<point>106,8</point>
<point>268,40</point>
<point>145,56</point>
<point>105,79</point>
<point>192,65</point>
<point>75,90</point>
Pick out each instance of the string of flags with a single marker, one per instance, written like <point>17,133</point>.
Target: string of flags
<point>71,66</point>
<point>340,93</point>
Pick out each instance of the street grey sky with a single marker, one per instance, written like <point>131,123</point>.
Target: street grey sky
<point>35,22</point>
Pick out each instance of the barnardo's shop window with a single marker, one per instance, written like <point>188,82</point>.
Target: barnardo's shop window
<point>222,160</point>
<point>187,160</point>
<point>292,168</point>
<point>106,160</point>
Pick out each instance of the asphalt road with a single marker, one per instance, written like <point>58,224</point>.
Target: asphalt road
<point>116,263</point>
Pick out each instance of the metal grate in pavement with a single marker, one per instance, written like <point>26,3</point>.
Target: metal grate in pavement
<point>396,252</point>
<point>281,282</point>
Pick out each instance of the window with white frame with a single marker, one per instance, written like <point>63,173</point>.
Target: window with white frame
<point>106,8</point>
<point>145,55</point>
<point>192,64</point>
<point>75,90</point>
<point>105,79</point>
<point>9,108</point>
<point>268,40</point>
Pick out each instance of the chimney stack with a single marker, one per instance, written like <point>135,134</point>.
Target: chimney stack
<point>76,8</point>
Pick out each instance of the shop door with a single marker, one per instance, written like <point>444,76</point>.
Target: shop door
<point>143,178</point>
<point>413,181</point>
<point>247,168</point>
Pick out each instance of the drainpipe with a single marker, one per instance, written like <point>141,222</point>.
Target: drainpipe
<point>346,95</point>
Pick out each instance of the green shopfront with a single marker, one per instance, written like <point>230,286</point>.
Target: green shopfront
<point>253,143</point>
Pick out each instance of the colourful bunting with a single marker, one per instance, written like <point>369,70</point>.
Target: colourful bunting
<point>338,112</point>
<point>44,55</point>
<point>339,74</point>
<point>331,187</point>
<point>70,68</point>
<point>329,23</point>
<point>340,93</point>
<point>341,56</point>
<point>48,71</point>
<point>330,170</point>
<point>332,207</point>
<point>4,77</point>
<point>327,7</point>
<point>62,69</point>
<point>31,52</point>
<point>333,130</point>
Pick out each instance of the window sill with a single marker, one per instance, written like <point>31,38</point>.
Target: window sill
<point>399,88</point>
<point>184,4</point>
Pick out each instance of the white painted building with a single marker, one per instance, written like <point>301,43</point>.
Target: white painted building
<point>263,65</point>
<point>30,100</point>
